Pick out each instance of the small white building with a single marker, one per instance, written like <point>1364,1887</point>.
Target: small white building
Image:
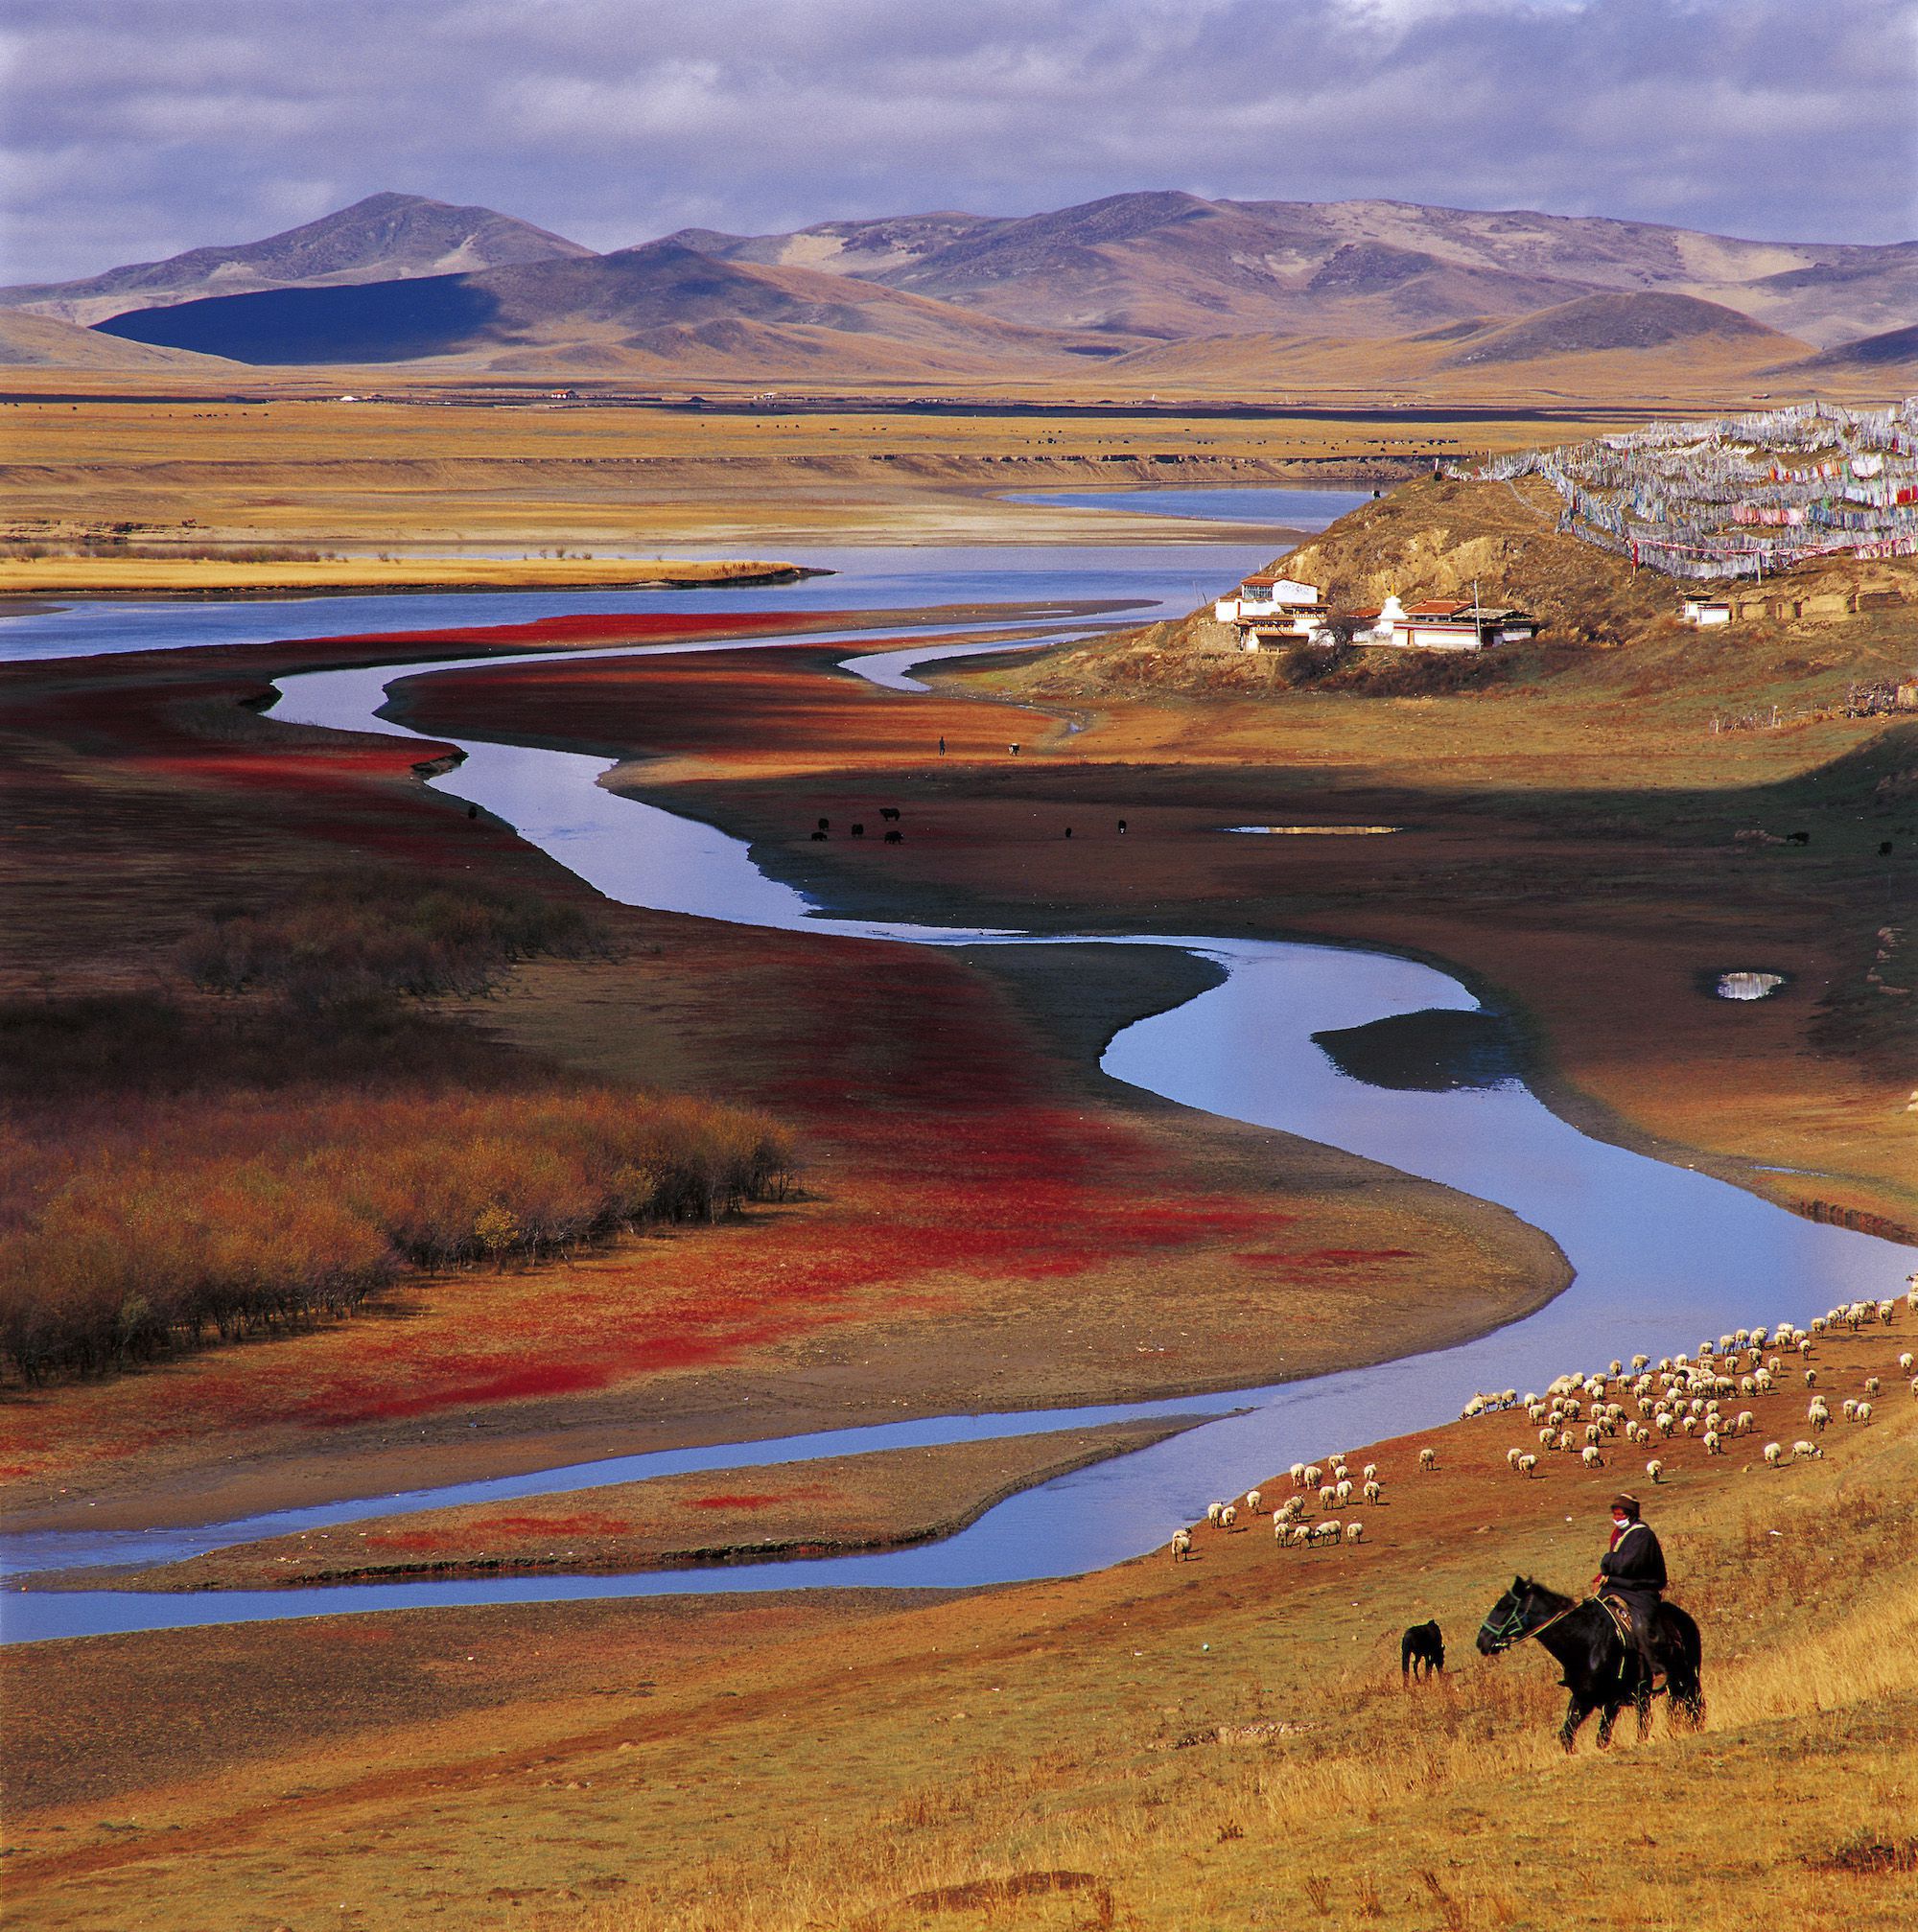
<point>1268,608</point>
<point>1432,626</point>
<point>1705,612</point>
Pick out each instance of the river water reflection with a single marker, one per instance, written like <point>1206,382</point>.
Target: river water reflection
<point>1664,1257</point>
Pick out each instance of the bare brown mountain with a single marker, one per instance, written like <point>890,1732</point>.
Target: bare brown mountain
<point>41,343</point>
<point>385,238</point>
<point>1595,323</point>
<point>1172,265</point>
<point>656,307</point>
<point>1892,356</point>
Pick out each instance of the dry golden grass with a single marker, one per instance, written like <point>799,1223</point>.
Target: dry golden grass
<point>442,469</point>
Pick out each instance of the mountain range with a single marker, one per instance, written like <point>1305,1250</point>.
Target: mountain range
<point>1158,285</point>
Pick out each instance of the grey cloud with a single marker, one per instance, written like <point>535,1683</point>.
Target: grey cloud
<point>137,127</point>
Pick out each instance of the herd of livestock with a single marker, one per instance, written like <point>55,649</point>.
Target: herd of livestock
<point>1583,1414</point>
<point>1740,495</point>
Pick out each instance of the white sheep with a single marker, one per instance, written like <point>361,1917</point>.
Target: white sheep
<point>1299,1476</point>
<point>1227,1515</point>
<point>1592,1458</point>
<point>1213,1512</point>
<point>1511,1457</point>
<point>1355,1532</point>
<point>1806,1452</point>
<point>1373,1491</point>
<point>1746,1422</point>
<point>1342,1494</point>
<point>1340,1471</point>
<point>1254,1498</point>
<point>1848,1408</point>
<point>1527,1464</point>
<point>1904,1362</point>
<point>1328,1531</point>
<point>1715,1443</point>
<point>1301,1534</point>
<point>1428,1458</point>
<point>1774,1454</point>
<point>1314,1475</point>
<point>1655,1470</point>
<point>1871,1384</point>
<point>1863,1412</point>
<point>1182,1544</point>
<point>1371,1470</point>
<point>1817,1415</point>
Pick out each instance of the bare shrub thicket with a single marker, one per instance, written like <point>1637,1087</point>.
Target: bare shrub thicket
<point>174,1170</point>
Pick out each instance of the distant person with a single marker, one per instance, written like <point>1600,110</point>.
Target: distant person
<point>1631,1574</point>
<point>1013,749</point>
<point>942,747</point>
<point>1068,831</point>
<point>1122,826</point>
<point>472,811</point>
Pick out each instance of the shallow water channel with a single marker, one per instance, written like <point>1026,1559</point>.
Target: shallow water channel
<point>1664,1257</point>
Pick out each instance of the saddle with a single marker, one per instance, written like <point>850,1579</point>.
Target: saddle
<point>1622,1623</point>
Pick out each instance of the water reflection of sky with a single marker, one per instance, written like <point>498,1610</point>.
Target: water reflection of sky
<point>1665,1257</point>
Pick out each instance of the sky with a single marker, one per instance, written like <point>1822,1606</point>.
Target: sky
<point>130,130</point>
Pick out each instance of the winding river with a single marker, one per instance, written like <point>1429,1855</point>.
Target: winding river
<point>1664,1256</point>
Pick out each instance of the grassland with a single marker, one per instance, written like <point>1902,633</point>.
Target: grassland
<point>447,472</point>
<point>1220,1743</point>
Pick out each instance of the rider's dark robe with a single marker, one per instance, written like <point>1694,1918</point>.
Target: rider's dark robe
<point>1634,1566</point>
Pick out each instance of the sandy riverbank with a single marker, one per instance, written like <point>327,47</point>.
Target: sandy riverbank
<point>223,577</point>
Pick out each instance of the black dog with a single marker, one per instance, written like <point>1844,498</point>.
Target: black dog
<point>1422,1644</point>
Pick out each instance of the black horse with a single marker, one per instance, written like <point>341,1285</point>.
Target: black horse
<point>1602,1670</point>
<point>1421,1650</point>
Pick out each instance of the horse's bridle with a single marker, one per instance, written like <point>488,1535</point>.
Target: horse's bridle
<point>1510,1630</point>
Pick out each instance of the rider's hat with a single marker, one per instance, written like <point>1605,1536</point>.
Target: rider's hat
<point>1626,1502</point>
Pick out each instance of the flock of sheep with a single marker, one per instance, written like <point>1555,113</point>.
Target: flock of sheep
<point>1584,1415</point>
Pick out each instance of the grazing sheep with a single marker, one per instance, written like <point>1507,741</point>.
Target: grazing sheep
<point>1547,1437</point>
<point>1327,1494</point>
<point>1229,1516</point>
<point>1904,1362</point>
<point>1871,1384</point>
<point>1593,1432</point>
<point>1252,1502</point>
<point>1915,1385</point>
<point>1213,1512</point>
<point>1302,1535</point>
<point>1314,1475</point>
<point>1863,1412</point>
<point>1340,1471</point>
<point>1428,1458</point>
<point>1811,1378</point>
<point>1640,1363</point>
<point>1182,1544</point>
<point>1373,1491</point>
<point>1592,1458</point>
<point>1817,1415</point>
<point>1282,1529</point>
<point>1371,1470</point>
<point>1715,1443</point>
<point>1299,1476</point>
<point>1774,1454</point>
<point>1342,1494</point>
<point>1511,1457</point>
<point>1355,1532</point>
<point>1655,1470</point>
<point>1328,1532</point>
<point>1848,1408</point>
<point>1527,1464</point>
<point>1806,1452</point>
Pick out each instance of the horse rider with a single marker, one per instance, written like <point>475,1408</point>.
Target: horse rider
<point>1631,1576</point>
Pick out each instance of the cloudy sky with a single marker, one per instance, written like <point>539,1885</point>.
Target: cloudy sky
<point>133,128</point>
